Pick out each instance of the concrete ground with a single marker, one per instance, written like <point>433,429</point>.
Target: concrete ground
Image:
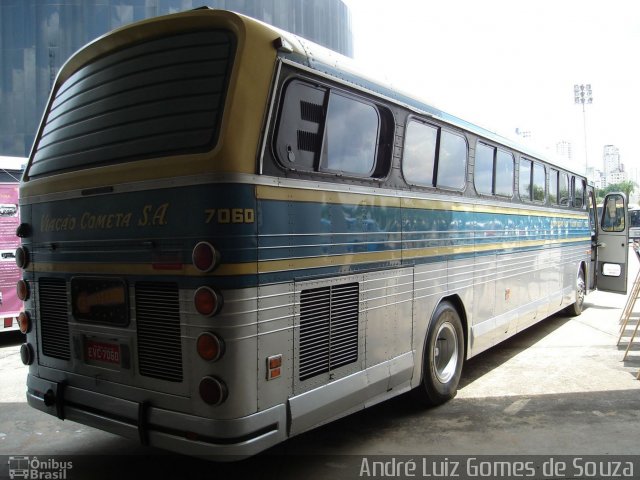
<point>559,388</point>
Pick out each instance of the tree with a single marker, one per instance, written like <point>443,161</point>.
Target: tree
<point>628,187</point>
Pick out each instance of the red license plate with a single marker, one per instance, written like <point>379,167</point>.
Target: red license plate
<point>102,352</point>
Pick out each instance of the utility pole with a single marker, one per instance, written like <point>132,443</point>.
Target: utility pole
<point>583,94</point>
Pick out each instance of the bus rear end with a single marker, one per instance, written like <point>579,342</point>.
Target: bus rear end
<point>139,237</point>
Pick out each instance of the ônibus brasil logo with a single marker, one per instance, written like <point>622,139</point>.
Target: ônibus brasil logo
<point>33,468</point>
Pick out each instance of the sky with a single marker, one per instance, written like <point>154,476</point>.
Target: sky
<point>513,64</point>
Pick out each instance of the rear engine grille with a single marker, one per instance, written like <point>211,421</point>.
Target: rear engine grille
<point>159,340</point>
<point>54,318</point>
<point>328,328</point>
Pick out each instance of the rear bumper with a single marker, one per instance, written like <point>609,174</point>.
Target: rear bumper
<point>225,440</point>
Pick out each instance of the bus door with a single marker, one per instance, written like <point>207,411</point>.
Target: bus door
<point>612,245</point>
<point>594,218</point>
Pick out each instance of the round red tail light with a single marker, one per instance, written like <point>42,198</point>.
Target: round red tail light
<point>26,354</point>
<point>210,347</point>
<point>22,257</point>
<point>22,290</point>
<point>207,301</point>
<point>24,322</point>
<point>205,257</point>
<point>213,391</point>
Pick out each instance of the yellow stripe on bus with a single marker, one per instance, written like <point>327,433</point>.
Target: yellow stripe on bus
<point>272,266</point>
<point>286,194</point>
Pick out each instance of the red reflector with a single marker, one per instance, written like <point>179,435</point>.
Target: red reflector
<point>274,367</point>
<point>22,290</point>
<point>213,391</point>
<point>205,257</point>
<point>26,354</point>
<point>210,347</point>
<point>166,261</point>
<point>275,362</point>
<point>207,301</point>
<point>22,257</point>
<point>8,322</point>
<point>24,322</point>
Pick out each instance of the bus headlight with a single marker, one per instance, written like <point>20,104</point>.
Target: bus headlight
<point>213,391</point>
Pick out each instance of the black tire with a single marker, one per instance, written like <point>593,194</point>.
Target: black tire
<point>443,357</point>
<point>576,308</point>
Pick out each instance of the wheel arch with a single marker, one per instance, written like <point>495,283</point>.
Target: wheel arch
<point>456,301</point>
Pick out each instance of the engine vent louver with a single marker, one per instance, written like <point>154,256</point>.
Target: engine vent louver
<point>328,328</point>
<point>159,335</point>
<point>54,319</point>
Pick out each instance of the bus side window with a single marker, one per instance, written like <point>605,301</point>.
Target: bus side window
<point>564,190</point>
<point>484,168</point>
<point>553,187</point>
<point>503,178</point>
<point>539,185</point>
<point>300,130</point>
<point>578,192</point>
<point>525,180</point>
<point>323,130</point>
<point>451,167</point>
<point>613,214</point>
<point>351,136</point>
<point>419,155</point>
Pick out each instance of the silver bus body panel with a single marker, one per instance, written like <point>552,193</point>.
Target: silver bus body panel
<point>169,429</point>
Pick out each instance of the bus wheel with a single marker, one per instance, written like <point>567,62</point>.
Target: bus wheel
<point>581,290</point>
<point>443,356</point>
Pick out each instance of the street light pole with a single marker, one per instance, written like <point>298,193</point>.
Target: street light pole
<point>583,94</point>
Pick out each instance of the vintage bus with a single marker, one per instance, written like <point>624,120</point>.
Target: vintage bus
<point>231,236</point>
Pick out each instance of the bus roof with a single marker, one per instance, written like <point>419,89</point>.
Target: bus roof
<point>328,62</point>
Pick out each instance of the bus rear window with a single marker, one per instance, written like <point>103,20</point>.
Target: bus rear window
<point>157,98</point>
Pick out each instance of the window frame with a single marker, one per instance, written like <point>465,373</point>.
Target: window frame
<point>463,185</point>
<point>436,148</point>
<point>567,177</point>
<point>574,181</point>
<point>533,182</point>
<point>381,165</point>
<point>557,189</point>
<point>495,170</point>
<point>530,189</point>
<point>496,152</point>
<point>436,159</point>
<point>493,149</point>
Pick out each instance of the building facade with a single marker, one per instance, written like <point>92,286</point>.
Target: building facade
<point>37,37</point>
<point>614,171</point>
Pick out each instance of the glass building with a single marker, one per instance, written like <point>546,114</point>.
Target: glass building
<point>37,37</point>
